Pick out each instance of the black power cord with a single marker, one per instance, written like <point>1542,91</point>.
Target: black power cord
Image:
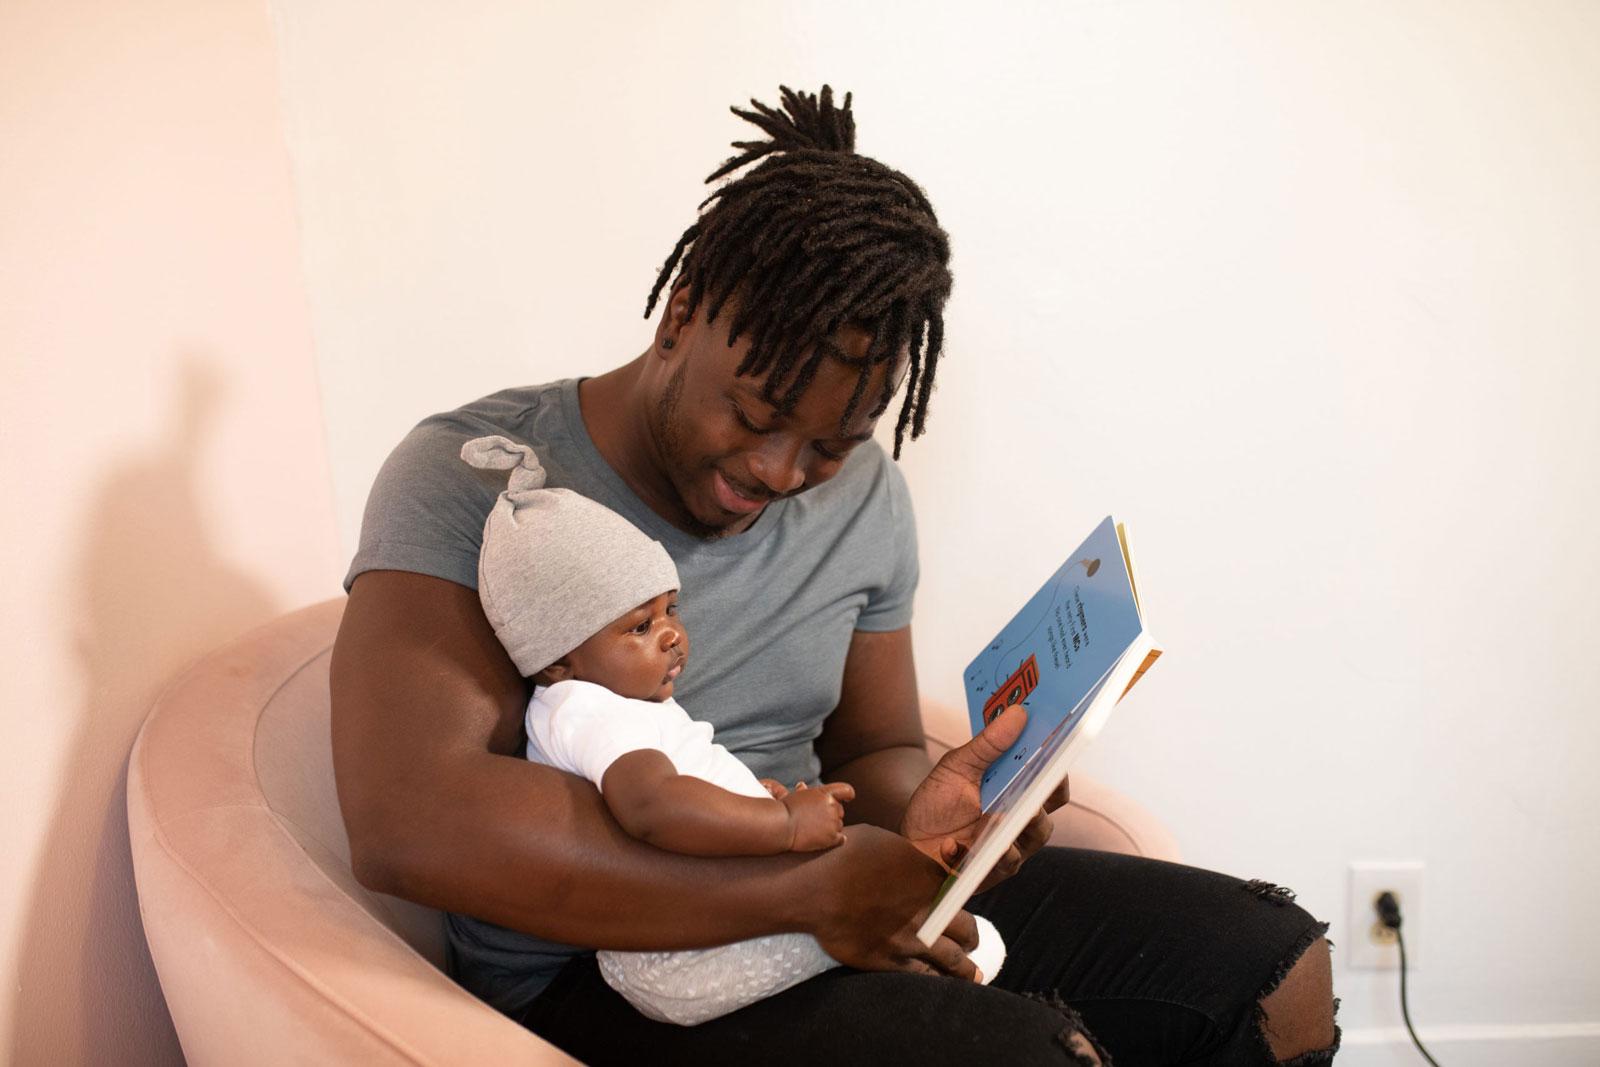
<point>1389,915</point>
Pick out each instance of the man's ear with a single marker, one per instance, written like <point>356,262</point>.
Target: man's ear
<point>674,317</point>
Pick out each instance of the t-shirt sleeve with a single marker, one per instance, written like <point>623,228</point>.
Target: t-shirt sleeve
<point>593,728</point>
<point>889,602</point>
<point>427,507</point>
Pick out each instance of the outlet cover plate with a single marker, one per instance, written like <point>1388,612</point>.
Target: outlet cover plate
<point>1368,945</point>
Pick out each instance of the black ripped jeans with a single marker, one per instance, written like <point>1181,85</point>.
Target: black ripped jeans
<point>1158,962</point>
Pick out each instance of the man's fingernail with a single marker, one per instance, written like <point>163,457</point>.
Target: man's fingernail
<point>977,976</point>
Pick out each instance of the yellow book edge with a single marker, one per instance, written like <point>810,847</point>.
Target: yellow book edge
<point>1133,581</point>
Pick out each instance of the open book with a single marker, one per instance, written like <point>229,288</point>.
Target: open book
<point>1068,656</point>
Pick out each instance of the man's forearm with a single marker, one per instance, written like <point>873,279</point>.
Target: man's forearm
<point>552,862</point>
<point>884,782</point>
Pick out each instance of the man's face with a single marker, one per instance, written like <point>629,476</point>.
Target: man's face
<point>726,450</point>
<point>638,655</point>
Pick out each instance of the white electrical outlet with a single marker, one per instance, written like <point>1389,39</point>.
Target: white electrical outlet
<point>1368,944</point>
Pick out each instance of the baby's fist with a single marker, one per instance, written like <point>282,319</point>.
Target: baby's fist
<point>816,816</point>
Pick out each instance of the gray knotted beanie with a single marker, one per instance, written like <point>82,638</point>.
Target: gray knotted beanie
<point>556,566</point>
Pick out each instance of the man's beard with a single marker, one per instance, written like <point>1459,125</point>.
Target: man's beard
<point>667,428</point>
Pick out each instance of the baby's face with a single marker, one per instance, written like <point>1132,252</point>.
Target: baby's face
<point>638,655</point>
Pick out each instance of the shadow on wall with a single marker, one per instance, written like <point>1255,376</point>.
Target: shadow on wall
<point>149,595</point>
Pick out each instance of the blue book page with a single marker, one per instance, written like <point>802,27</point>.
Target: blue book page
<point>1054,654</point>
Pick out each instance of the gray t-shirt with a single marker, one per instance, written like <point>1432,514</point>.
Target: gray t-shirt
<point>770,612</point>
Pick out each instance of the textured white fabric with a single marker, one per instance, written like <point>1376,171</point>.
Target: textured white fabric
<point>582,727</point>
<point>692,987</point>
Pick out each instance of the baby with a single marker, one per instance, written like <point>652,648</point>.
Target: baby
<point>586,606</point>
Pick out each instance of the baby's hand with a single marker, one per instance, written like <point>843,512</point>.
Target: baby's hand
<point>775,787</point>
<point>816,816</point>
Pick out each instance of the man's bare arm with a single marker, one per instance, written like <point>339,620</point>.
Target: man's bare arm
<point>874,738</point>
<point>427,712</point>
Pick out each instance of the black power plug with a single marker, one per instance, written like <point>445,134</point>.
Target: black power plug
<point>1388,908</point>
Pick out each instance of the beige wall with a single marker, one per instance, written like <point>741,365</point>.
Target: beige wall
<point>162,454</point>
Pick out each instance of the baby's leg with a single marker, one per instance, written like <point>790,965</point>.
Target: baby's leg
<point>692,986</point>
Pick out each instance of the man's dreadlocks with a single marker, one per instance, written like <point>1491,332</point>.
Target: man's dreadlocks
<point>815,238</point>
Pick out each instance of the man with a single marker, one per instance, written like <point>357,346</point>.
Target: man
<point>810,289</point>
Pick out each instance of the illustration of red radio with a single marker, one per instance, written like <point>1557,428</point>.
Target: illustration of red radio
<point>1014,690</point>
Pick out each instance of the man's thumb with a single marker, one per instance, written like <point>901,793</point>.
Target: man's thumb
<point>1000,734</point>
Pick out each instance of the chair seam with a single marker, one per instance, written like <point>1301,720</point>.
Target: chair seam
<point>1118,826</point>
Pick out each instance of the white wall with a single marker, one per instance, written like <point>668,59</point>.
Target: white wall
<point>165,477</point>
<point>1304,292</point>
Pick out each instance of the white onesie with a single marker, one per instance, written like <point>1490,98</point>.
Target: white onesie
<point>582,727</point>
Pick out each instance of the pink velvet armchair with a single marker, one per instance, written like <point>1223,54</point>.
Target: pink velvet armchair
<point>268,949</point>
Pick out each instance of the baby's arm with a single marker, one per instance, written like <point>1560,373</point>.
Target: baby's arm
<point>681,813</point>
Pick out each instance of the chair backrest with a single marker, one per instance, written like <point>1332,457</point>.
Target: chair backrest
<point>268,949</point>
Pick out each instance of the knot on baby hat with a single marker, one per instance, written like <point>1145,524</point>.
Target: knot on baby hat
<point>502,453</point>
<point>556,566</point>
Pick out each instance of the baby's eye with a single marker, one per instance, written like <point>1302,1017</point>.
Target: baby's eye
<point>672,609</point>
<point>642,628</point>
